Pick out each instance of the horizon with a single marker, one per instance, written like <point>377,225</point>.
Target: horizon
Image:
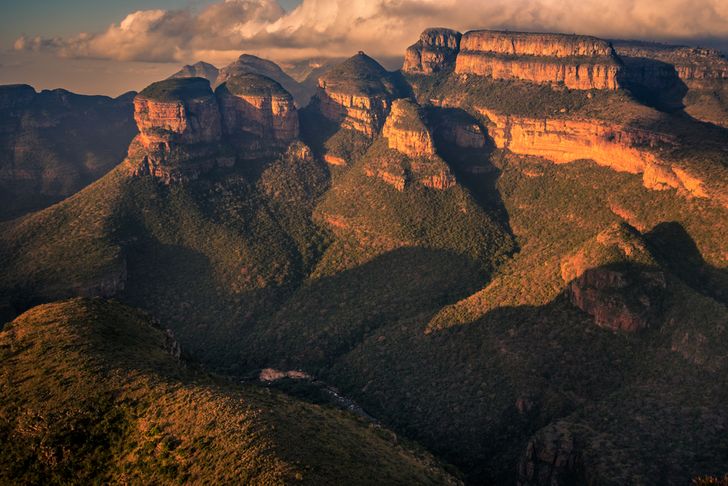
<point>112,49</point>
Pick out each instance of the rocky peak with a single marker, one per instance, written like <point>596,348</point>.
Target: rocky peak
<point>248,64</point>
<point>406,131</point>
<point>257,107</point>
<point>14,96</point>
<point>435,51</point>
<point>198,70</point>
<point>357,94</point>
<point>578,62</point>
<point>615,279</point>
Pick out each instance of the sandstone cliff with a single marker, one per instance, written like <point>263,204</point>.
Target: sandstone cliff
<point>258,115</point>
<point>356,94</point>
<point>435,51</point>
<point>622,148</point>
<point>179,130</point>
<point>577,62</point>
<point>415,160</point>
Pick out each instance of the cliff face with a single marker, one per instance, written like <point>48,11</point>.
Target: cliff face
<point>257,113</point>
<point>578,62</point>
<point>54,143</point>
<point>356,94</point>
<point>435,51</point>
<point>691,63</point>
<point>415,160</point>
<point>622,148</point>
<point>247,64</point>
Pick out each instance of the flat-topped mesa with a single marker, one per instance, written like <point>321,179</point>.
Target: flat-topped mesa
<point>435,51</point>
<point>179,130</point>
<point>258,114</point>
<point>575,61</point>
<point>415,160</point>
<point>692,64</point>
<point>357,94</point>
<point>15,96</point>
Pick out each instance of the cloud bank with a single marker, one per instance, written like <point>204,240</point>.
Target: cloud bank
<point>219,32</point>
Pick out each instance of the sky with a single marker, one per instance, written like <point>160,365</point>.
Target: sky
<point>110,47</point>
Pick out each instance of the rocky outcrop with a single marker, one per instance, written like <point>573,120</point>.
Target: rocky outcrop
<point>198,70</point>
<point>356,94</point>
<point>692,64</point>
<point>247,64</point>
<point>551,459</point>
<point>622,148</point>
<point>179,130</point>
<point>258,115</point>
<point>435,51</point>
<point>615,280</point>
<point>577,62</point>
<point>405,130</point>
<point>411,157</point>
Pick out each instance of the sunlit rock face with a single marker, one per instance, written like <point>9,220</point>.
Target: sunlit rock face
<point>357,94</point>
<point>577,62</point>
<point>435,51</point>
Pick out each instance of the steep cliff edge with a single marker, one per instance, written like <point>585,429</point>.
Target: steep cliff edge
<point>357,94</point>
<point>621,147</point>
<point>577,62</point>
<point>258,115</point>
<point>435,51</point>
<point>411,157</point>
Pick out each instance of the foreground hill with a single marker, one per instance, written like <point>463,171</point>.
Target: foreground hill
<point>54,143</point>
<point>100,395</point>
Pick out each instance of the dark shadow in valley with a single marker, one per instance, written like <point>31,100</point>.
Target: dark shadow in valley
<point>654,83</point>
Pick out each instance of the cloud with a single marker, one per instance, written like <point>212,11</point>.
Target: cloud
<point>219,32</point>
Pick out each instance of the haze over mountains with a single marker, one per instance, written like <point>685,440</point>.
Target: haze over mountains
<point>503,263</point>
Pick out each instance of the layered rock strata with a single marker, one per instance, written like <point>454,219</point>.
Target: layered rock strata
<point>435,51</point>
<point>356,94</point>
<point>622,148</point>
<point>577,62</point>
<point>415,160</point>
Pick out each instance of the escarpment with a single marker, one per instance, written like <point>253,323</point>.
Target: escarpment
<point>257,114</point>
<point>356,94</point>
<point>186,129</point>
<point>435,51</point>
<point>577,62</point>
<point>415,160</point>
<point>620,147</point>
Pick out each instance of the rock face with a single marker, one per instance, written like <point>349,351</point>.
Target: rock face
<point>693,64</point>
<point>198,70</point>
<point>257,114</point>
<point>356,94</point>
<point>415,160</point>
<point>551,459</point>
<point>54,143</point>
<point>577,62</point>
<point>436,51</point>
<point>247,64</point>
<point>615,280</point>
<point>405,130</point>
<point>179,130</point>
<point>622,148</point>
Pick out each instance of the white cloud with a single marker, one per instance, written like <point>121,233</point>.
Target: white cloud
<point>219,32</point>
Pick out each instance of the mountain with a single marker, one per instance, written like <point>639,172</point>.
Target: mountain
<point>198,70</point>
<point>505,252</point>
<point>100,393</point>
<point>54,143</point>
